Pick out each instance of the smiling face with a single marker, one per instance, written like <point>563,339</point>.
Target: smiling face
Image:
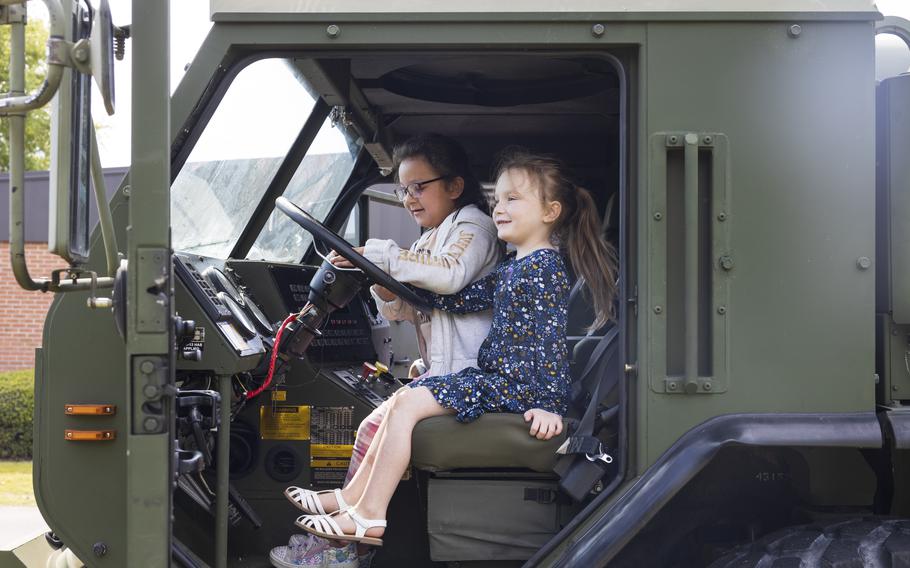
<point>437,200</point>
<point>522,217</point>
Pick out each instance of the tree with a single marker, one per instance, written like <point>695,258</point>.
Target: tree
<point>38,122</point>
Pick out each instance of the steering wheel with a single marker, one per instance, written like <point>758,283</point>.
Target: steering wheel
<point>341,246</point>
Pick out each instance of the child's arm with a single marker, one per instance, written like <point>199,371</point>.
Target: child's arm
<point>476,297</point>
<point>468,252</point>
<point>395,309</point>
<point>544,425</point>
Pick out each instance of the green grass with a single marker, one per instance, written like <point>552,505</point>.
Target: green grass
<point>16,483</point>
<point>15,420</point>
<point>17,406</point>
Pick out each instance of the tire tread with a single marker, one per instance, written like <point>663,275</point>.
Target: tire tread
<point>853,543</point>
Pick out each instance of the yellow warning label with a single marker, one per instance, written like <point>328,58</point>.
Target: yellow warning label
<point>331,450</point>
<point>330,463</point>
<point>279,395</point>
<point>280,422</point>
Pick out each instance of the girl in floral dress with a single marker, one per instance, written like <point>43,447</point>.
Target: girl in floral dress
<point>523,362</point>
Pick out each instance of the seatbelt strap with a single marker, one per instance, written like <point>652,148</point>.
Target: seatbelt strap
<point>598,361</point>
<point>585,461</point>
<point>583,440</point>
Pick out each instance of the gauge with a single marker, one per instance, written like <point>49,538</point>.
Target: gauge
<point>261,319</point>
<point>223,284</point>
<point>247,327</point>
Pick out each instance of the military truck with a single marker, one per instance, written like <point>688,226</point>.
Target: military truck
<point>747,407</point>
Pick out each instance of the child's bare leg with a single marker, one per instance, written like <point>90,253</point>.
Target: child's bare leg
<point>392,455</point>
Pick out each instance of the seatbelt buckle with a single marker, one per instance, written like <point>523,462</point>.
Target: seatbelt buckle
<point>601,456</point>
<point>580,445</point>
<point>579,477</point>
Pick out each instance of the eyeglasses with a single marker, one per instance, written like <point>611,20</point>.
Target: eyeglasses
<point>415,188</point>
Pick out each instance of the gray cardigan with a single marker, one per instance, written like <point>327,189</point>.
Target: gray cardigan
<point>462,249</point>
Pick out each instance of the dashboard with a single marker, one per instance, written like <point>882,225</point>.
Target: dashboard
<point>234,314</point>
<point>299,430</point>
<point>239,304</point>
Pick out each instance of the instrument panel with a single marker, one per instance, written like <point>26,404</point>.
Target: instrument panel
<point>246,300</point>
<point>355,332</point>
<point>216,295</point>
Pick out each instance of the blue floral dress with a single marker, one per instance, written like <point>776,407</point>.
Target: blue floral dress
<point>523,361</point>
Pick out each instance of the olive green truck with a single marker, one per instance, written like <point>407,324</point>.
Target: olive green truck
<point>745,408</point>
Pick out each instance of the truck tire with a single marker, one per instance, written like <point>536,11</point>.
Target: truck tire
<point>854,543</point>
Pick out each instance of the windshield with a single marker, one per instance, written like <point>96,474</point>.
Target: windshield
<point>315,186</point>
<point>238,154</point>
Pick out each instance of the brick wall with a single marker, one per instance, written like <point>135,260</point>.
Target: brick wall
<point>22,313</point>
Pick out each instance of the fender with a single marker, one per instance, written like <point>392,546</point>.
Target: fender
<point>618,523</point>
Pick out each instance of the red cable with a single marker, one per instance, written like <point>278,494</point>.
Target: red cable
<point>268,379</point>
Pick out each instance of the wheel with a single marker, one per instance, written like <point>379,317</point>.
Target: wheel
<point>321,232</point>
<point>854,543</point>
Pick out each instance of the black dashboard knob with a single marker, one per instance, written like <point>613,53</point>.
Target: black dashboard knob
<point>192,354</point>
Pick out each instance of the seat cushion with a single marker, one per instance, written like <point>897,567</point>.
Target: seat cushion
<point>498,441</point>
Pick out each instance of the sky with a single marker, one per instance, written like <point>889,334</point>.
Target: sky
<point>277,123</point>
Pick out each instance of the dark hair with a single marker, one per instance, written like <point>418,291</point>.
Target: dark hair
<point>577,229</point>
<point>448,158</point>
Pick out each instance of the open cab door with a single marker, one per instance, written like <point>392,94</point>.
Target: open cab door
<point>104,457</point>
<point>893,228</point>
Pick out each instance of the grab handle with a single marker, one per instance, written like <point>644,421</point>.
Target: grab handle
<point>690,262</point>
<point>690,198</point>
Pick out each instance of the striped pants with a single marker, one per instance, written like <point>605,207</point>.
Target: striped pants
<point>365,434</point>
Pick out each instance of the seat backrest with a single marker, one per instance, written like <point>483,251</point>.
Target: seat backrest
<point>584,349</point>
<point>579,341</point>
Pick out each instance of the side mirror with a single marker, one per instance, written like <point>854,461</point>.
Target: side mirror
<point>102,42</point>
<point>91,33</point>
<point>95,55</point>
<point>71,121</point>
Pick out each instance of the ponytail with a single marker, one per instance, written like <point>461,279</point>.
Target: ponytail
<point>577,230</point>
<point>591,256</point>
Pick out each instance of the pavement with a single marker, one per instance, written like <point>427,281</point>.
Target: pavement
<point>18,525</point>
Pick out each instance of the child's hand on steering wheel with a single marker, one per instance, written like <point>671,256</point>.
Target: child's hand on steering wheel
<point>384,293</point>
<point>340,261</point>
<point>544,425</point>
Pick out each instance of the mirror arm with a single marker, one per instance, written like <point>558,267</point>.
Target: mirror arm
<point>896,26</point>
<point>105,219</point>
<point>15,106</point>
<point>19,102</point>
<point>17,165</point>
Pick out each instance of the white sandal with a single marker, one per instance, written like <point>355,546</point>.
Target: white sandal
<point>326,527</point>
<point>308,501</point>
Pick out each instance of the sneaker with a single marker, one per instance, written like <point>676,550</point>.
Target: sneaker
<point>313,552</point>
<point>364,560</point>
